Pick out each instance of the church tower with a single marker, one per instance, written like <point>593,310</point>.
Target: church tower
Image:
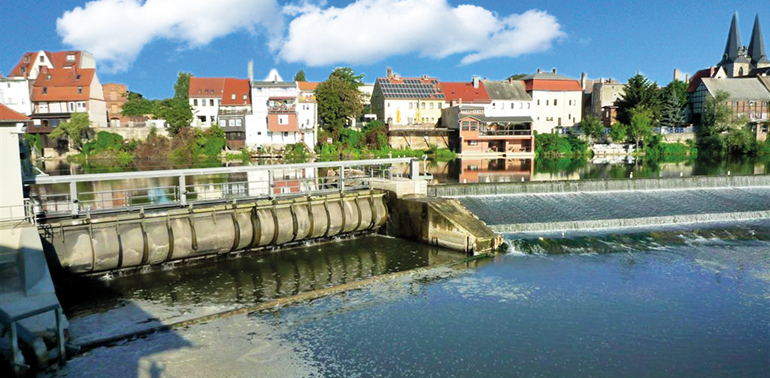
<point>757,47</point>
<point>734,61</point>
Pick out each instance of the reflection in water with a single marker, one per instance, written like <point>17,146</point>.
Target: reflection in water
<point>254,278</point>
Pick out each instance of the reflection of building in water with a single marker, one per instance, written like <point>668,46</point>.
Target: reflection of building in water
<point>495,170</point>
<point>284,181</point>
<point>555,176</point>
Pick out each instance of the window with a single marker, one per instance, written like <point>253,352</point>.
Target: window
<point>80,90</point>
<point>493,105</point>
<point>45,90</point>
<point>244,97</point>
<point>285,133</point>
<point>199,91</point>
<point>439,105</point>
<point>70,57</point>
<point>410,104</point>
<point>48,77</point>
<point>554,102</point>
<point>232,97</point>
<point>474,125</point>
<point>473,143</point>
<point>232,122</point>
<point>528,105</point>
<point>538,102</point>
<point>237,122</point>
<point>195,102</point>
<point>26,59</point>
<point>211,102</point>
<point>72,106</point>
<point>82,105</point>
<point>466,125</point>
<point>269,134</point>
<point>42,58</point>
<point>77,77</point>
<point>23,70</point>
<point>431,105</point>
<point>283,119</point>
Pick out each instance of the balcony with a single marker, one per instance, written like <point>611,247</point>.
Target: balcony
<point>508,132</point>
<point>284,108</point>
<point>226,111</point>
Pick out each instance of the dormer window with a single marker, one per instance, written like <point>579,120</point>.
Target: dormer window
<point>42,58</point>
<point>71,57</point>
<point>77,77</point>
<point>23,70</point>
<point>232,97</point>
<point>244,97</point>
<point>45,90</point>
<point>199,91</point>
<point>80,90</point>
<point>48,77</point>
<point>26,59</point>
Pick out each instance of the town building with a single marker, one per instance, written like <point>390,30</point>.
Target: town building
<point>307,112</point>
<point>12,119</point>
<point>749,97</point>
<point>225,102</point>
<point>115,95</point>
<point>63,83</point>
<point>741,61</point>
<point>508,98</point>
<point>276,122</point>
<point>557,101</point>
<point>407,101</point>
<point>14,93</point>
<point>604,95</point>
<point>205,94</point>
<point>476,133</point>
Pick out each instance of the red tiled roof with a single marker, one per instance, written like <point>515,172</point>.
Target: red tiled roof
<point>696,79</point>
<point>61,84</point>
<point>465,92</point>
<point>58,59</point>
<point>9,115</point>
<point>307,86</point>
<point>552,85</point>
<point>238,87</point>
<point>207,87</point>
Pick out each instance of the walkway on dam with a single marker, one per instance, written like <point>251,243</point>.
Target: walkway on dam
<point>587,210</point>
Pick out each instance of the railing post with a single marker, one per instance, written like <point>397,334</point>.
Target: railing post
<point>74,198</point>
<point>60,330</point>
<point>15,347</point>
<point>414,169</point>
<point>270,182</point>
<point>342,179</point>
<point>182,190</point>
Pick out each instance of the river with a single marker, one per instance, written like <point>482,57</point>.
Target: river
<point>667,302</point>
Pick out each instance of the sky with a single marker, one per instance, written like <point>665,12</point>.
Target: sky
<point>145,43</point>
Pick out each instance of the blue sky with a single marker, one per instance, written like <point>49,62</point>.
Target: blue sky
<point>145,43</point>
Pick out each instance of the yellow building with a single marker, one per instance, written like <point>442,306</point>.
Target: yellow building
<point>407,101</point>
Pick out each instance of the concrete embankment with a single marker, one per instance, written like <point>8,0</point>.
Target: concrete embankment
<point>695,182</point>
<point>134,240</point>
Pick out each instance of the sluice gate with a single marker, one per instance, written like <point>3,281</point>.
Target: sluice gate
<point>94,245</point>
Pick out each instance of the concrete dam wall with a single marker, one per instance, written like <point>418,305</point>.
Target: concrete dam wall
<point>134,240</point>
<point>695,182</point>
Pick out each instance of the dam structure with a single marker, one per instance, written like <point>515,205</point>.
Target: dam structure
<point>542,207</point>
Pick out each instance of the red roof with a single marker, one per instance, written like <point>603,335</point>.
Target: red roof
<point>307,86</point>
<point>236,92</point>
<point>465,92</point>
<point>696,79</point>
<point>9,115</point>
<point>208,87</point>
<point>57,59</point>
<point>63,84</point>
<point>552,85</point>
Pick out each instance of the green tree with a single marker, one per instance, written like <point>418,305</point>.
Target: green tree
<point>300,76</point>
<point>671,110</point>
<point>618,132</point>
<point>178,115</point>
<point>76,129</point>
<point>717,121</point>
<point>677,88</point>
<point>348,76</point>
<point>182,88</point>
<point>640,127</point>
<point>639,93</point>
<point>518,76</point>
<point>137,106</point>
<point>338,100</point>
<point>591,127</point>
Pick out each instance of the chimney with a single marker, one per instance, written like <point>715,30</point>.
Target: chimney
<point>251,70</point>
<point>475,82</point>
<point>676,74</point>
<point>583,81</point>
<point>553,70</point>
<point>687,78</point>
<point>390,73</point>
<point>711,71</point>
<point>539,71</point>
<point>460,101</point>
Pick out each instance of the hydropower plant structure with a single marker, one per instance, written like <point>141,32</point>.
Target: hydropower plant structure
<point>69,223</point>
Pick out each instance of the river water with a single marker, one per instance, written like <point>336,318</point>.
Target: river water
<point>666,302</point>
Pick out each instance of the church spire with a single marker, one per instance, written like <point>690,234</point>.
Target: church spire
<point>757,44</point>
<point>733,42</point>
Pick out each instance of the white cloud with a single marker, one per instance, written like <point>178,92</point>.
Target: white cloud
<point>115,31</point>
<point>371,30</point>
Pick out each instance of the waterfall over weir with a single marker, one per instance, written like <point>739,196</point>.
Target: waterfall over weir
<point>618,209</point>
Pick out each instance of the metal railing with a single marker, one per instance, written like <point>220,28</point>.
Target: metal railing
<point>195,186</point>
<point>16,331</point>
<point>18,213</point>
<point>505,132</point>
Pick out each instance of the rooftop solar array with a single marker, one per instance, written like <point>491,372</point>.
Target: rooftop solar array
<point>411,88</point>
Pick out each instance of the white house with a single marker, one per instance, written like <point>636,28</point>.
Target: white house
<point>14,93</point>
<point>508,98</point>
<point>307,113</point>
<point>557,101</point>
<point>275,120</point>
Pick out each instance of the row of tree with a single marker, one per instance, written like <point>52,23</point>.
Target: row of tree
<point>176,111</point>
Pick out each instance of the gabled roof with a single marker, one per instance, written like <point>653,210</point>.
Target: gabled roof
<point>241,88</point>
<point>740,89</point>
<point>8,115</point>
<point>699,75</point>
<point>58,59</point>
<point>550,81</point>
<point>63,84</point>
<point>466,92</point>
<point>422,88</point>
<point>507,90</point>
<point>206,87</point>
<point>307,85</point>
